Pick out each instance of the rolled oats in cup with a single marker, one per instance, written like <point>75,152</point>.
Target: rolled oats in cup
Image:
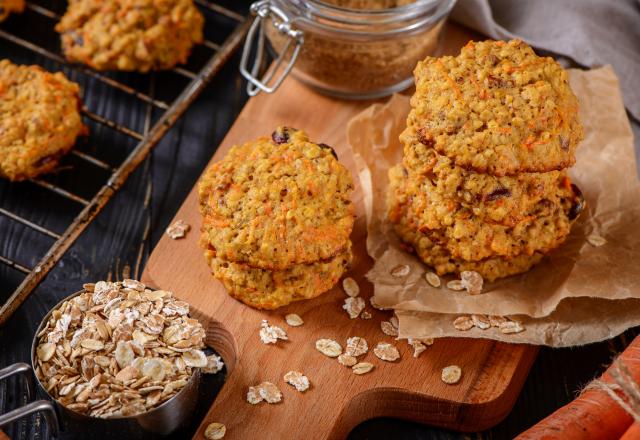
<point>118,349</point>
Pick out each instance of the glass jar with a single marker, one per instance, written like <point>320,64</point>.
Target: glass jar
<point>342,51</point>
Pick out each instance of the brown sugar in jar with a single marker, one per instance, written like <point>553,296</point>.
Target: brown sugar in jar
<point>354,49</point>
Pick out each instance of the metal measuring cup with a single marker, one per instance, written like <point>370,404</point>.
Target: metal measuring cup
<point>160,421</point>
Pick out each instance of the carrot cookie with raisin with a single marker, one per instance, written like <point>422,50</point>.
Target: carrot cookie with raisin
<point>277,216</point>
<point>39,119</point>
<point>130,35</point>
<point>497,108</point>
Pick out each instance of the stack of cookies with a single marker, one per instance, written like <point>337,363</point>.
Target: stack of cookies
<point>277,215</point>
<point>483,184</point>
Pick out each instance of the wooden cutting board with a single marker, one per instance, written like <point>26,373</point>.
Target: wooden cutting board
<point>338,400</point>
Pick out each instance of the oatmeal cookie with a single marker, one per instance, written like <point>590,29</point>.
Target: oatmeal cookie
<point>469,237</point>
<point>448,191</point>
<point>277,201</point>
<point>434,252</point>
<point>10,6</point>
<point>497,108</point>
<point>39,119</point>
<point>270,289</point>
<point>130,35</point>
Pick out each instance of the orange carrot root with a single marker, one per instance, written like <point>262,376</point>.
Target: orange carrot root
<point>594,415</point>
<point>633,433</point>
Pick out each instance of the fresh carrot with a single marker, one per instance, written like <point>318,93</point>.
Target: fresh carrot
<point>633,433</point>
<point>594,414</point>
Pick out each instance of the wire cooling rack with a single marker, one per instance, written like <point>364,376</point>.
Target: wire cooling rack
<point>30,38</point>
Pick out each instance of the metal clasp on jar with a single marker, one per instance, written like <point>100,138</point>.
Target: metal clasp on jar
<point>282,23</point>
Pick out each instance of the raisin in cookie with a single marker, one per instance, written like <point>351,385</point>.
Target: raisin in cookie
<point>39,119</point>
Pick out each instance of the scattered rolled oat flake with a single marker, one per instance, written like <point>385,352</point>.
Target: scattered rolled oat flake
<point>45,351</point>
<point>195,358</point>
<point>293,320</point>
<point>472,281</point>
<point>354,306</point>
<point>388,328</point>
<point>214,364</point>
<point>215,431</point>
<point>455,285</point>
<point>510,327</point>
<point>329,347</point>
<point>365,315</point>
<point>418,346</point>
<point>463,323</point>
<point>347,360</point>
<point>481,321</point>
<point>496,320</point>
<point>596,240</point>
<point>269,392</point>
<point>269,334</point>
<point>386,352</point>
<point>432,279</point>
<point>362,368</point>
<point>351,287</point>
<point>356,346</point>
<point>400,271</point>
<point>297,380</point>
<point>451,374</point>
<point>394,321</point>
<point>253,395</point>
<point>178,229</point>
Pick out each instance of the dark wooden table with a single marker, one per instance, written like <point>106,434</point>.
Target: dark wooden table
<point>118,242</point>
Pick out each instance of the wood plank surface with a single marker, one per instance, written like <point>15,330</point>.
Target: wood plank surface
<point>338,400</point>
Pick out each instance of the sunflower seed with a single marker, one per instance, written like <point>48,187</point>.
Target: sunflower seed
<point>455,285</point>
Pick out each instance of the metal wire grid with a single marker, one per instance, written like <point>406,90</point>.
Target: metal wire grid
<point>146,141</point>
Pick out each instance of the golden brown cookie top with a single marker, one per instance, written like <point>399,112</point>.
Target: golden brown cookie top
<point>497,108</point>
<point>277,201</point>
<point>39,119</point>
<point>130,35</point>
